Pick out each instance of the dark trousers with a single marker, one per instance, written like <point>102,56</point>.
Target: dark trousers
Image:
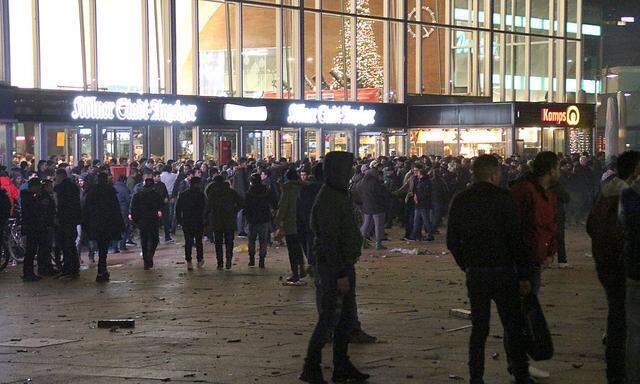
<point>226,238</point>
<point>615,290</point>
<point>336,315</point>
<point>66,235</point>
<point>501,286</point>
<point>438,210</point>
<point>149,240</point>
<point>38,243</point>
<point>167,221</point>
<point>408,221</point>
<point>193,236</point>
<point>306,240</point>
<point>103,250</point>
<point>258,232</point>
<point>294,248</point>
<point>562,248</point>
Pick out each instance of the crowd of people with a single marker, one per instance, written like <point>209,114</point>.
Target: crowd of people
<point>505,223</point>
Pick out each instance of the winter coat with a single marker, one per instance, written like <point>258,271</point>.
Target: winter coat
<point>145,205</point>
<point>47,203</point>
<point>124,197</point>
<point>286,217</point>
<point>190,209</point>
<point>32,219</point>
<point>306,199</point>
<point>538,215</point>
<point>68,197</point>
<point>422,190</point>
<point>240,181</point>
<point>259,201</point>
<point>337,241</point>
<point>370,194</point>
<point>12,191</point>
<point>630,217</point>
<point>161,189</point>
<point>607,233</point>
<point>223,204</point>
<point>102,219</point>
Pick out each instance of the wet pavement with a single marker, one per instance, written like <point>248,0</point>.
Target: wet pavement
<point>244,326</point>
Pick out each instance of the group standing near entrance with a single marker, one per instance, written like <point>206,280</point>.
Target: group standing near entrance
<point>505,221</point>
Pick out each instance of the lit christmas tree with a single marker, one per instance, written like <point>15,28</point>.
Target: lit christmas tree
<point>368,60</point>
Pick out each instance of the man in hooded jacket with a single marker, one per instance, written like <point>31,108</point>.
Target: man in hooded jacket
<point>223,204</point>
<point>337,244</point>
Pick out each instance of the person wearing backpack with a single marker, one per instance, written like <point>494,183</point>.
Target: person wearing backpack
<point>607,239</point>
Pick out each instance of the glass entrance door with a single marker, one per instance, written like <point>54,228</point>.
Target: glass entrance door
<point>62,144</point>
<point>122,144</point>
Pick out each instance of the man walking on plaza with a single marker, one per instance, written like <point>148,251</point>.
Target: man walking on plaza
<point>337,247</point>
<point>373,199</point>
<point>607,241</point>
<point>33,228</point>
<point>223,205</point>
<point>537,208</point>
<point>68,216</point>
<point>484,237</point>
<point>190,209</point>
<point>258,205</point>
<point>146,211</point>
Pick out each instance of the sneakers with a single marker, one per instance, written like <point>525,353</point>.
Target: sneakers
<point>228,264</point>
<point>189,266</point>
<point>349,374</point>
<point>293,280</point>
<point>538,373</point>
<point>200,263</point>
<point>242,234</point>
<point>169,241</point>
<point>31,278</point>
<point>379,246</point>
<point>358,336</point>
<point>131,243</point>
<point>312,374</point>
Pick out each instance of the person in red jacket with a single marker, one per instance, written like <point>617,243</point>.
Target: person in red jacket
<point>537,206</point>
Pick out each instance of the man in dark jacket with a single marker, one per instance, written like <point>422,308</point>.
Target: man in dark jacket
<point>607,245</point>
<point>422,200</point>
<point>240,184</point>
<point>223,205</point>
<point>146,210</point>
<point>35,218</point>
<point>484,237</point>
<point>337,244</point>
<point>102,220</point>
<point>190,215</point>
<point>161,189</point>
<point>372,198</point>
<point>306,198</point>
<point>69,216</point>
<point>630,217</point>
<point>124,200</point>
<point>259,202</point>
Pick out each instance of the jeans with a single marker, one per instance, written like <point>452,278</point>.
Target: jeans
<point>259,232</point>
<point>501,286</point>
<point>421,220</point>
<point>225,237</point>
<point>336,314</point>
<point>193,236</point>
<point>616,329</point>
<point>633,331</point>
<point>149,240</point>
<point>37,244</point>
<point>66,241</point>
<point>378,222</point>
<point>240,222</point>
<point>295,254</point>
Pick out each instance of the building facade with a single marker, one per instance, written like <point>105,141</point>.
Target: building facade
<point>386,56</point>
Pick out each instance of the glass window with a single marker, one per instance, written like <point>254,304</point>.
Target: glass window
<point>260,144</point>
<point>539,80</point>
<point>158,36</point>
<point>580,140</point>
<point>60,46</point>
<point>21,42</point>
<point>24,139</point>
<point>528,142</point>
<point>61,144</point>
<point>184,47</point>
<point>461,72</point>
<point>218,48</point>
<point>439,142</point>
<point>219,146</point>
<point>86,147</point>
<point>396,145</point>
<point>260,74</point>
<point>289,144</point>
<point>290,49</point>
<point>156,143</point>
<point>119,45</point>
<point>481,141</point>
<point>370,145</point>
<point>336,59</point>
<point>185,143</point>
<point>3,144</point>
<point>369,54</point>
<point>311,143</point>
<point>311,91</point>
<point>338,141</point>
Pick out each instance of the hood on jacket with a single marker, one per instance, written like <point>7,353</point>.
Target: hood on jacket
<point>338,167</point>
<point>614,187</point>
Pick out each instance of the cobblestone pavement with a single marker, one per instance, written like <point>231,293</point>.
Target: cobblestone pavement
<point>243,326</point>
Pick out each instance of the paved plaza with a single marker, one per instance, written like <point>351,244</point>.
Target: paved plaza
<point>244,326</point>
